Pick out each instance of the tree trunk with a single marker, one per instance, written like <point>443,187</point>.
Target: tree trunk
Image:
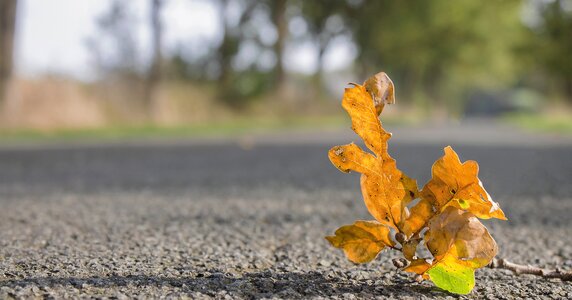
<point>7,28</point>
<point>154,74</point>
<point>226,51</point>
<point>279,20</point>
<point>319,75</point>
<point>568,90</point>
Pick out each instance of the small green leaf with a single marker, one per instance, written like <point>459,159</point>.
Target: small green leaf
<point>453,276</point>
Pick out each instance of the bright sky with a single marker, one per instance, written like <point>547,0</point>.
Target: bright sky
<point>51,35</point>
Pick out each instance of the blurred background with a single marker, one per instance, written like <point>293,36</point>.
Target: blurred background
<point>179,66</point>
<point>178,148</point>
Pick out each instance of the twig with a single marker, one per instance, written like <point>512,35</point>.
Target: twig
<point>394,248</point>
<point>501,263</point>
<point>401,263</point>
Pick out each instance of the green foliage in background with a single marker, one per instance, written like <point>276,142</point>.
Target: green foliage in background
<point>549,44</point>
<point>440,52</point>
<point>441,48</point>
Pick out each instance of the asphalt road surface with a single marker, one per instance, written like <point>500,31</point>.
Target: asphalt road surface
<point>246,218</point>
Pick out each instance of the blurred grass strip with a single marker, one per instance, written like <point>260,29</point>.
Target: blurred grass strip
<point>542,123</point>
<point>226,128</point>
<point>234,127</point>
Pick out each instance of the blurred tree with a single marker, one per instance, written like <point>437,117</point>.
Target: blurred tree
<point>114,47</point>
<point>232,36</point>
<point>116,56</point>
<point>154,73</point>
<point>248,61</point>
<point>278,9</point>
<point>437,47</point>
<point>325,21</point>
<point>228,47</point>
<point>437,51</point>
<point>551,45</point>
<point>7,28</point>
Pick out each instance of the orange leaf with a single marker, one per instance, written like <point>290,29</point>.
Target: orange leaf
<point>418,266</point>
<point>386,190</point>
<point>418,217</point>
<point>361,241</point>
<point>360,106</point>
<point>453,184</point>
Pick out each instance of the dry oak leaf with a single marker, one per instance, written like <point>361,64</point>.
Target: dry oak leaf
<point>386,190</point>
<point>460,243</point>
<point>381,89</point>
<point>461,234</point>
<point>362,241</point>
<point>452,184</point>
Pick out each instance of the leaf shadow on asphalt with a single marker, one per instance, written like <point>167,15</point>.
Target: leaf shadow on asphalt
<point>250,285</point>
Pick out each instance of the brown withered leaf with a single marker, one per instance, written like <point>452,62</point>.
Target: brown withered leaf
<point>459,243</point>
<point>386,190</point>
<point>452,184</point>
<point>361,241</point>
<point>462,235</point>
<point>381,89</point>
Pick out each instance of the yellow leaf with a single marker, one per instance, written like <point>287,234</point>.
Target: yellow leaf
<point>453,275</point>
<point>386,190</point>
<point>361,241</point>
<point>452,184</point>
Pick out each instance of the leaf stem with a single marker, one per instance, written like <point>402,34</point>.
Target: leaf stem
<point>395,248</point>
<point>501,263</point>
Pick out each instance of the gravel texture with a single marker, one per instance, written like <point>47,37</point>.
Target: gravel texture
<point>247,220</point>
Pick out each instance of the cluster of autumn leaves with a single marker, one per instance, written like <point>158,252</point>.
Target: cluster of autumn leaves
<point>444,219</point>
